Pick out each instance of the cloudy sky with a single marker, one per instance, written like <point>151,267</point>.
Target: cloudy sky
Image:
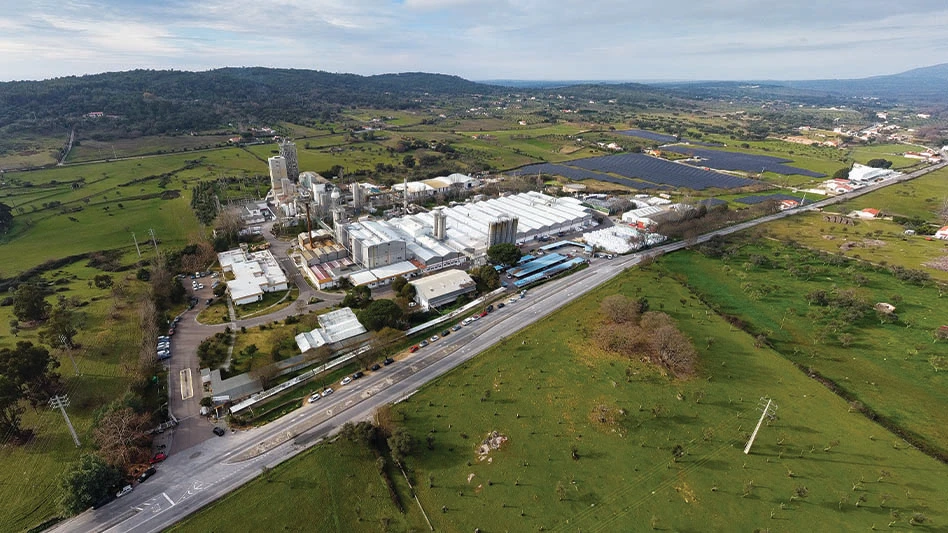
<point>479,39</point>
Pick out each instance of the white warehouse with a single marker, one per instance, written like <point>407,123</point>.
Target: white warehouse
<point>254,274</point>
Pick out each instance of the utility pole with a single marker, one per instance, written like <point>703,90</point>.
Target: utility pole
<point>768,411</point>
<point>61,402</point>
<point>154,240</point>
<point>137,249</point>
<point>68,348</point>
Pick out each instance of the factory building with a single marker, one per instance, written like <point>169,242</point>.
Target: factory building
<point>255,273</point>
<point>277,175</point>
<point>336,328</point>
<point>442,288</point>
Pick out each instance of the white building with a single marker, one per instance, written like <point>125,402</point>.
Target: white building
<point>442,288</point>
<point>277,174</point>
<point>334,327</point>
<point>255,273</point>
<point>863,174</point>
<point>288,152</point>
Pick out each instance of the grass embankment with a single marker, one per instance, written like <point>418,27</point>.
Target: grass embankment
<point>550,391</point>
<point>334,487</point>
<point>888,365</point>
<point>108,340</point>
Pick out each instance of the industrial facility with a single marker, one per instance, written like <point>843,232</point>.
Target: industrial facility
<point>255,273</point>
<point>336,329</point>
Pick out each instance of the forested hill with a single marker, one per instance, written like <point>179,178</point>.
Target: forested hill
<point>158,101</point>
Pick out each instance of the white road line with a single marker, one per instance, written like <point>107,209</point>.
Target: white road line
<point>187,388</point>
<point>167,498</point>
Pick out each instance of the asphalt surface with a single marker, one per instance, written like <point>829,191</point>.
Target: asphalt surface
<point>204,472</point>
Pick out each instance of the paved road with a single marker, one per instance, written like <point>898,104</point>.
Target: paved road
<point>190,480</point>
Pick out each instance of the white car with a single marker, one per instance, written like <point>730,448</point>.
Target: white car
<point>433,338</point>
<point>512,300</point>
<point>125,490</point>
<point>313,397</point>
<point>346,380</point>
<point>328,391</point>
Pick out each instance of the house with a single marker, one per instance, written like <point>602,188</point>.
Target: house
<point>787,204</point>
<point>942,233</point>
<point>866,213</point>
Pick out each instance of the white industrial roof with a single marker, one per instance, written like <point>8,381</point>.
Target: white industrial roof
<point>363,277</point>
<point>252,271</point>
<point>334,326</point>
<point>441,283</point>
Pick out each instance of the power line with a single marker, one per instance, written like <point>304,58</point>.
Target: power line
<point>767,411</point>
<point>61,402</point>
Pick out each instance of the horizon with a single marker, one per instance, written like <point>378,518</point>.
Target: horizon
<point>556,40</point>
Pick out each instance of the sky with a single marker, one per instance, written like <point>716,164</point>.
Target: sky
<point>628,40</point>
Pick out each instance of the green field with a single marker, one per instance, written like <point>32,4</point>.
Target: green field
<point>108,340</point>
<point>92,150</point>
<point>546,389</point>
<point>334,487</point>
<point>923,198</point>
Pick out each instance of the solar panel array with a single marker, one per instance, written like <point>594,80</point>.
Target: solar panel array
<point>660,137</point>
<point>746,162</point>
<point>658,170</point>
<point>756,199</point>
<point>576,174</point>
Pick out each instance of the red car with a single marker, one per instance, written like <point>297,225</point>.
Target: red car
<point>414,348</point>
<point>483,314</point>
<point>159,457</point>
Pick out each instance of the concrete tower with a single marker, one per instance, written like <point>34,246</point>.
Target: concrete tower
<point>288,152</point>
<point>440,223</point>
<point>277,174</point>
<point>358,196</point>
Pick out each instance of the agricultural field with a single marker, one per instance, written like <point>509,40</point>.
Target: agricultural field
<point>92,150</point>
<point>599,442</point>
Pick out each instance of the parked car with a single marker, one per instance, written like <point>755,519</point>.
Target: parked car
<point>434,338</point>
<point>482,315</point>
<point>327,391</point>
<point>346,380</point>
<point>456,327</point>
<point>159,457</point>
<point>445,333</point>
<point>500,305</point>
<point>422,344</point>
<point>147,474</point>
<point>219,431</point>
<point>170,331</point>
<point>512,300</point>
<point>358,375</point>
<point>125,490</point>
<point>490,308</point>
<point>376,366</point>
<point>414,348</point>
<point>388,361</point>
<point>313,397</point>
<point>467,321</point>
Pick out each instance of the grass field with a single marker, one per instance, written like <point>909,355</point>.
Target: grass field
<point>545,389</point>
<point>878,241</point>
<point>334,487</point>
<point>891,367</point>
<point>91,150</point>
<point>108,339</point>
<point>922,197</point>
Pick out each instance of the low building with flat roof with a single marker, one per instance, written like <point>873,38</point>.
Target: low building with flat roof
<point>442,288</point>
<point>255,273</point>
<point>335,328</point>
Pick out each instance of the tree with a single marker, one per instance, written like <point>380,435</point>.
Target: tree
<point>6,217</point>
<point>90,480</point>
<point>408,292</point>
<point>842,173</point>
<point>32,370</point>
<point>504,253</point>
<point>619,309</point>
<point>408,161</point>
<point>265,374</point>
<point>10,409</point>
<point>61,327</point>
<point>220,290</point>
<point>879,163</point>
<point>486,278</point>
<point>102,281</point>
<point>401,443</point>
<point>380,314</point>
<point>29,303</point>
<point>121,435</point>
<point>399,283</point>
<point>228,224</point>
<point>357,297</point>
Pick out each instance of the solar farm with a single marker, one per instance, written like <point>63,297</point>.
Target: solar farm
<point>659,137</point>
<point>638,171</point>
<point>746,162</point>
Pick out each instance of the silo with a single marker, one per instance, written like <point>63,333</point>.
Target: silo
<point>440,223</point>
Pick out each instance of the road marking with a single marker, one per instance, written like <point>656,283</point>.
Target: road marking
<point>328,412</point>
<point>187,389</point>
<point>168,498</point>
